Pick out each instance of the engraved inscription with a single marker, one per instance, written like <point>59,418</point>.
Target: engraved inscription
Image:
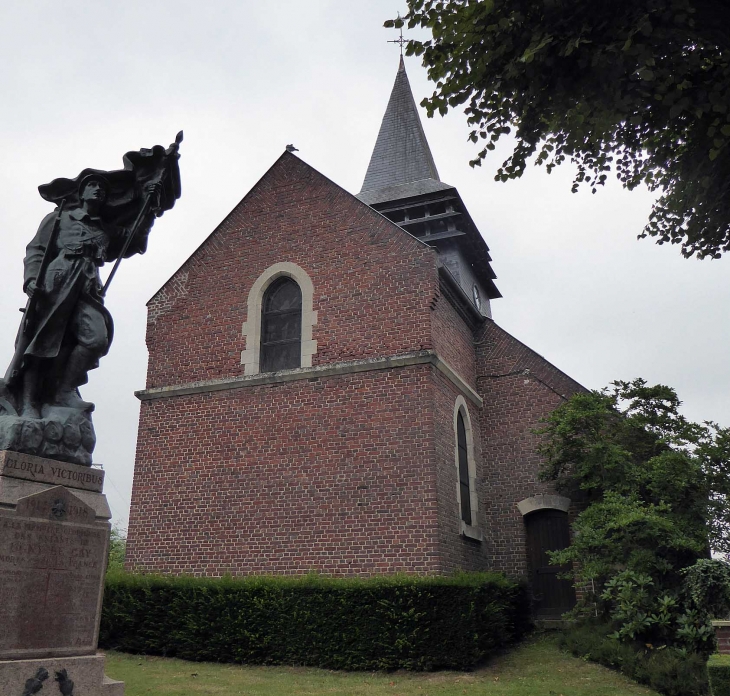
<point>51,577</point>
<point>62,474</point>
<point>16,465</point>
<point>56,504</point>
<point>32,468</point>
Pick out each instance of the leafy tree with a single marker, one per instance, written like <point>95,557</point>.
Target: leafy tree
<point>638,87</point>
<point>645,474</point>
<point>708,585</point>
<point>117,549</point>
<point>653,490</point>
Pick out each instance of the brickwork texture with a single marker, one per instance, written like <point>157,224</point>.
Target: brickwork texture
<point>348,474</point>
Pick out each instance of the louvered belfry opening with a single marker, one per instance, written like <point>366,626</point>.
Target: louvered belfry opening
<point>281,326</point>
<point>465,494</point>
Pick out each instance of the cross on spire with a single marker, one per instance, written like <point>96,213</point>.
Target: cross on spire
<point>400,40</point>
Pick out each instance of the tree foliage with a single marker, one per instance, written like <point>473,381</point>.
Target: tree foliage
<point>708,585</point>
<point>653,490</point>
<point>641,467</point>
<point>636,87</point>
<point>117,549</point>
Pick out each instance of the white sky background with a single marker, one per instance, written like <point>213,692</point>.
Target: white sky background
<point>83,82</point>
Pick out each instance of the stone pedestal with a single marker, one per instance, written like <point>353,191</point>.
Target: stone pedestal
<point>54,539</point>
<point>86,673</point>
<point>64,434</point>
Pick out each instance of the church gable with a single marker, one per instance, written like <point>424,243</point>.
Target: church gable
<point>372,283</point>
<point>327,390</point>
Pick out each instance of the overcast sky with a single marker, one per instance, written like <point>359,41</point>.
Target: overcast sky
<point>83,82</point>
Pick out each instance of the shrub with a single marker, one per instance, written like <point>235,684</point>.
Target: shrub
<point>718,670</point>
<point>418,623</point>
<point>640,614</point>
<point>671,671</point>
<point>708,584</point>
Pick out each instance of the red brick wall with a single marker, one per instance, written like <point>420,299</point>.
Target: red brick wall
<point>348,474</point>
<point>453,340</point>
<point>519,388</point>
<point>248,481</point>
<point>722,633</point>
<point>373,283</point>
<point>335,474</point>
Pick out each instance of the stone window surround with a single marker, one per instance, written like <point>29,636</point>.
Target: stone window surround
<point>470,531</point>
<point>251,357</point>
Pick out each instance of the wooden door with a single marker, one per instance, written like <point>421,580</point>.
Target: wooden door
<point>548,530</point>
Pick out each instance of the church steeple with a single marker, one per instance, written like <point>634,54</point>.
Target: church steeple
<point>403,184</point>
<point>401,155</point>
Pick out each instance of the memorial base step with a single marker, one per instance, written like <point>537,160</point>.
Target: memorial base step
<point>54,675</point>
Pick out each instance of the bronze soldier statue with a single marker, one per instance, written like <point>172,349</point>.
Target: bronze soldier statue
<point>100,217</point>
<point>73,328</point>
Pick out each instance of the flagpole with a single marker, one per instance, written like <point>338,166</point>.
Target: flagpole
<point>132,233</point>
<point>142,215</point>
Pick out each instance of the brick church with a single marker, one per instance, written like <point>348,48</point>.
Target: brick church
<point>327,389</point>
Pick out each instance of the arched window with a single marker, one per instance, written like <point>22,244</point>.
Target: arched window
<point>281,326</point>
<point>467,502</point>
<point>251,357</point>
<point>464,489</point>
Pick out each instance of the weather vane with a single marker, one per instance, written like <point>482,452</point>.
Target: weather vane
<point>400,40</point>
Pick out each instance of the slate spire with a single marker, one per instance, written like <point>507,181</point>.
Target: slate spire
<point>402,184</point>
<point>401,153</point>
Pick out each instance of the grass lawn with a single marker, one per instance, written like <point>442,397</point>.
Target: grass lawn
<point>536,668</point>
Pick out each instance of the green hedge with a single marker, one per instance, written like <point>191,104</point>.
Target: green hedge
<point>718,670</point>
<point>669,671</point>
<point>418,623</point>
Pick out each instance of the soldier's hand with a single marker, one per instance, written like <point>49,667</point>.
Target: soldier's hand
<point>154,189</point>
<point>31,289</point>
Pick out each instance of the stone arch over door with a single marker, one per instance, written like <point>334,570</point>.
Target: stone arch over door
<point>547,529</point>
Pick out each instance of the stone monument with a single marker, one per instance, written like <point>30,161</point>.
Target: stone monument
<point>54,518</point>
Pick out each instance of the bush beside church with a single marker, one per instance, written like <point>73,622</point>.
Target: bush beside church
<point>409,622</point>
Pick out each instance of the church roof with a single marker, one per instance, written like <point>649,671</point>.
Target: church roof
<point>403,184</point>
<point>396,192</point>
<point>402,157</point>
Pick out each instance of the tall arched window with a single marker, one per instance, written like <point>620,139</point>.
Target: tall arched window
<point>464,488</point>
<point>281,326</point>
<point>467,499</point>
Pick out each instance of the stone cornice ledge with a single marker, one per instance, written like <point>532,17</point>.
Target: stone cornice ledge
<point>421,357</point>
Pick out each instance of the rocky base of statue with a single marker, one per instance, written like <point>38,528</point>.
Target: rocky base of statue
<point>54,542</point>
<point>64,434</point>
<point>71,676</point>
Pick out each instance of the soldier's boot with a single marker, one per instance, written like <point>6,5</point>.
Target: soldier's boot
<point>75,373</point>
<point>28,408</point>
